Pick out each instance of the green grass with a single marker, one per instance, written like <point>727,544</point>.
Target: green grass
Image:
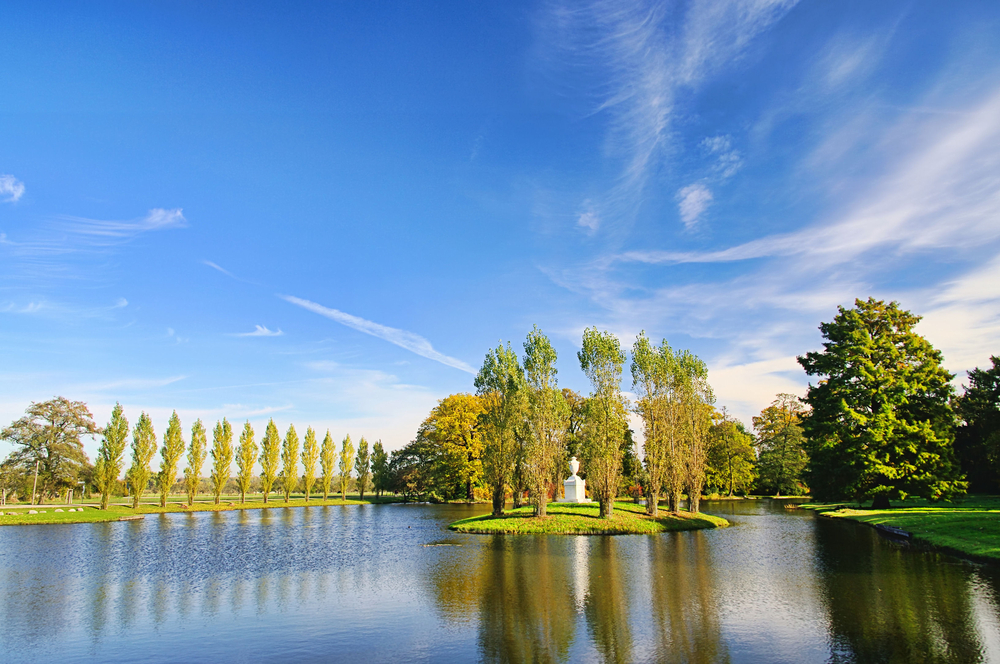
<point>970,527</point>
<point>583,519</point>
<point>91,513</point>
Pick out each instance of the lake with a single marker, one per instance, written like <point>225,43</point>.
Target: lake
<point>383,583</point>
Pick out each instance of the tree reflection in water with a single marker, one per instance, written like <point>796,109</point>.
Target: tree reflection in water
<point>607,603</point>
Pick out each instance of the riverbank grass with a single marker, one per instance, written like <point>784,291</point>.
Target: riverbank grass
<point>584,519</point>
<point>970,527</point>
<point>90,513</point>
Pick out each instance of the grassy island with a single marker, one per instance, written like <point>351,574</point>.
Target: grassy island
<point>90,513</point>
<point>969,528</point>
<point>583,519</point>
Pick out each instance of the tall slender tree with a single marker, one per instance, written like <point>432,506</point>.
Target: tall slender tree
<point>143,451</point>
<point>696,399</point>
<point>362,467</point>
<point>380,469</point>
<point>548,417</point>
<point>270,456</point>
<point>651,382</point>
<point>246,456</point>
<point>310,455</point>
<point>602,359</point>
<point>346,461</point>
<point>110,457</point>
<point>327,462</point>
<point>222,458</point>
<point>170,454</point>
<point>290,461</point>
<point>197,451</point>
<point>501,386</point>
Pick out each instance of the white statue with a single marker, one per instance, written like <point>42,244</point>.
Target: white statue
<point>574,487</point>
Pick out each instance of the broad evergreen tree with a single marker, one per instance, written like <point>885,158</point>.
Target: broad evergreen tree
<point>881,426</point>
<point>170,455</point>
<point>602,359</point>
<point>328,463</point>
<point>346,462</point>
<point>197,451</point>
<point>781,445</point>
<point>977,441</point>
<point>290,461</point>
<point>143,451</point>
<point>310,455</point>
<point>110,457</point>
<point>501,386</point>
<point>222,458</point>
<point>362,467</point>
<point>548,417</point>
<point>380,469</point>
<point>270,457</point>
<point>246,456</point>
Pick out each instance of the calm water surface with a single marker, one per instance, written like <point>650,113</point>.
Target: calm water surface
<point>380,583</point>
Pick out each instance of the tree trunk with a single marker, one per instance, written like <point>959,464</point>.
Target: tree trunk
<point>470,495</point>
<point>653,502</point>
<point>607,507</point>
<point>880,503</point>
<point>498,502</point>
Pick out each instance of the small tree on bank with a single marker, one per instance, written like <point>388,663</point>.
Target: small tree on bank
<point>346,461</point>
<point>170,454</point>
<point>222,456</point>
<point>246,456</point>
<point>362,469</point>
<point>197,452</point>
<point>328,462</point>
<point>143,451</point>
<point>310,455</point>
<point>290,459</point>
<point>110,456</point>
<point>270,456</point>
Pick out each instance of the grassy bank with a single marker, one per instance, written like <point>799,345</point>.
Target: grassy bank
<point>968,528</point>
<point>89,512</point>
<point>583,519</point>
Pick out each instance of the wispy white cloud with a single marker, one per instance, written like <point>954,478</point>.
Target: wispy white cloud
<point>11,189</point>
<point>101,230</point>
<point>219,268</point>
<point>729,160</point>
<point>692,201</point>
<point>589,219</point>
<point>402,338</point>
<point>260,331</point>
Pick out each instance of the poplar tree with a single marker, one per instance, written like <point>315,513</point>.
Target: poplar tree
<point>290,461</point>
<point>652,384</point>
<point>500,383</point>
<point>143,451</point>
<point>270,456</point>
<point>246,456</point>
<point>380,469</point>
<point>548,417</point>
<point>110,457</point>
<point>170,454</point>
<point>328,460</point>
<point>197,452</point>
<point>602,359</point>
<point>310,455</point>
<point>362,468</point>
<point>346,461</point>
<point>222,456</point>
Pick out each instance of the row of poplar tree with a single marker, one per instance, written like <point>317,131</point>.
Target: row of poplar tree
<point>278,457</point>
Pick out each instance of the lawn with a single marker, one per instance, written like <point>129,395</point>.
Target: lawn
<point>11,516</point>
<point>583,519</point>
<point>970,527</point>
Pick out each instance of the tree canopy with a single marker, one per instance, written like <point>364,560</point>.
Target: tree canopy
<point>977,441</point>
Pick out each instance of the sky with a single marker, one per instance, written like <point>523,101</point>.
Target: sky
<point>327,213</point>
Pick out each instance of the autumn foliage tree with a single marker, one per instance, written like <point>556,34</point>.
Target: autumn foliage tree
<point>310,455</point>
<point>197,451</point>
<point>143,451</point>
<point>222,457</point>
<point>246,456</point>
<point>455,444</point>
<point>170,454</point>
<point>290,461</point>
<point>270,456</point>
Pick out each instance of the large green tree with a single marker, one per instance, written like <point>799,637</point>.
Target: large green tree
<point>328,462</point>
<point>781,446</point>
<point>290,462</point>
<point>197,451</point>
<point>246,456</point>
<point>548,417</point>
<point>453,445</point>
<point>111,455</point>
<point>270,457</point>
<point>362,467</point>
<point>310,455</point>
<point>501,386</point>
<point>381,477</point>
<point>346,462</point>
<point>47,440</point>
<point>881,425</point>
<point>222,458</point>
<point>143,451</point>
<point>602,360</point>
<point>170,455</point>
<point>732,462</point>
<point>977,441</point>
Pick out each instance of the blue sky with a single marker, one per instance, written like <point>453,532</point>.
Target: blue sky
<point>326,213</point>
